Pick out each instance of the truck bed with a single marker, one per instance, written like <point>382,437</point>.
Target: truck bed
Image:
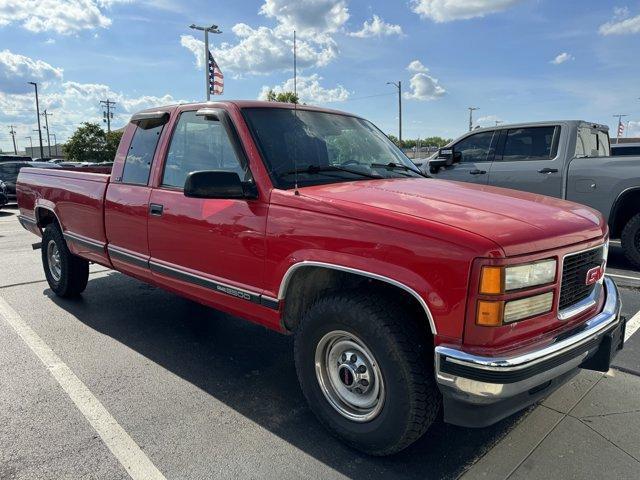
<point>76,198</point>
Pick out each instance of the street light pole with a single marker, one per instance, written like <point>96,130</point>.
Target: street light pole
<point>207,31</point>
<point>35,85</point>
<point>399,87</point>
<point>471,110</point>
<point>30,142</point>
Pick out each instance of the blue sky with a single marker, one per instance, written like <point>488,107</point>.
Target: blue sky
<point>518,60</point>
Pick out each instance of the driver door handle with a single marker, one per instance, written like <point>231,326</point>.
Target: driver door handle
<point>477,172</point>
<point>156,209</point>
<point>548,170</point>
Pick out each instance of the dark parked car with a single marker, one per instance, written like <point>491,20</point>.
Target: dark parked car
<point>9,173</point>
<point>625,149</point>
<point>3,194</point>
<point>15,158</point>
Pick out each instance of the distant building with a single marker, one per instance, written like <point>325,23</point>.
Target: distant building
<point>626,140</point>
<point>57,151</point>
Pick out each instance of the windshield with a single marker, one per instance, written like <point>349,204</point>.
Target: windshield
<point>324,147</point>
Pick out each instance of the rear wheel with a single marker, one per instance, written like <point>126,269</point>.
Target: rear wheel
<point>630,240</point>
<point>366,370</point>
<point>67,274</point>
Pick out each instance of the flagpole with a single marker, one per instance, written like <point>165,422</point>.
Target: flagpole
<point>206,64</point>
<point>206,30</point>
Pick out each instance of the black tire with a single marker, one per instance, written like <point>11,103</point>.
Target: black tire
<point>630,240</point>
<point>404,354</point>
<point>73,271</point>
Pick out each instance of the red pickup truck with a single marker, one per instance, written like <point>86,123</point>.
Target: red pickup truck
<point>404,293</point>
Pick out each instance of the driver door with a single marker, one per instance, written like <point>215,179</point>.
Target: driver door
<point>474,159</point>
<point>216,244</point>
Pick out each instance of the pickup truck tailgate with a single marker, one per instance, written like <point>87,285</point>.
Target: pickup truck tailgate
<point>76,198</point>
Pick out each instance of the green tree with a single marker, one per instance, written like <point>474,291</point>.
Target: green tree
<point>113,140</point>
<point>90,143</point>
<point>286,97</point>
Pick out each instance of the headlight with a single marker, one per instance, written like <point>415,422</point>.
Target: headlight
<point>496,280</point>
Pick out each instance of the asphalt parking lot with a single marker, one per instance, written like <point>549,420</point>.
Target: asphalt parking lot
<point>199,393</point>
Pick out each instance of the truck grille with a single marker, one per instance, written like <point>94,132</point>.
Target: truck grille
<point>574,275</point>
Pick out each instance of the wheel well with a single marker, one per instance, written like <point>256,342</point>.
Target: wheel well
<point>45,217</point>
<point>626,206</point>
<point>309,283</point>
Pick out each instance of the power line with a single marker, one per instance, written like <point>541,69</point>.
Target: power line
<point>107,114</point>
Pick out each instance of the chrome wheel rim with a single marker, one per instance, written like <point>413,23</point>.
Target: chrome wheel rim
<point>53,259</point>
<point>349,376</point>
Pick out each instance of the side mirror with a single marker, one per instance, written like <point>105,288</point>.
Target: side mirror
<point>214,184</point>
<point>446,157</point>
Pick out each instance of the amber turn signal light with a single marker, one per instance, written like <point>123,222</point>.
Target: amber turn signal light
<point>491,280</point>
<point>489,314</point>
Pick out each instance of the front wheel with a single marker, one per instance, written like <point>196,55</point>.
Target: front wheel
<point>630,240</point>
<point>366,370</point>
<point>67,274</point>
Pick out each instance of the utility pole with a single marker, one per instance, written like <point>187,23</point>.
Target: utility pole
<point>619,117</point>
<point>35,85</point>
<point>13,137</point>
<point>207,31</point>
<point>471,110</point>
<point>107,114</point>
<point>399,87</point>
<point>46,125</point>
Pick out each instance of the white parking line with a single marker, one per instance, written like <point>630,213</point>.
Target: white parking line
<point>626,277</point>
<point>122,446</point>
<point>633,324</point>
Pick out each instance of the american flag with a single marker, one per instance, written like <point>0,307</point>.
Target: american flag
<point>620,129</point>
<point>216,78</point>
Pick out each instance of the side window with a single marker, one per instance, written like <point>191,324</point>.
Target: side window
<point>477,148</point>
<point>199,143</point>
<point>535,143</point>
<point>592,143</point>
<point>140,155</point>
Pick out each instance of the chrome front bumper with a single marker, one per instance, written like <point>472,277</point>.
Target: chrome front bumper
<point>495,387</point>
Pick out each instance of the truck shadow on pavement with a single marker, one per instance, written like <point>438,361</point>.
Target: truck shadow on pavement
<point>251,370</point>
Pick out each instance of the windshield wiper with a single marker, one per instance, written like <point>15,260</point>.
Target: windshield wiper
<point>393,166</point>
<point>313,169</point>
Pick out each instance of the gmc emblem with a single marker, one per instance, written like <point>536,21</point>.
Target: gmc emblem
<point>594,275</point>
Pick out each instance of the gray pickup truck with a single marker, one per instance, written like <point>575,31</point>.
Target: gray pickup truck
<point>565,159</point>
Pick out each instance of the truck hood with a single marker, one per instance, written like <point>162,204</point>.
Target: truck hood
<point>518,222</point>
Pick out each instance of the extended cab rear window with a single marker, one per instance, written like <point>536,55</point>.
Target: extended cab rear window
<point>137,165</point>
<point>592,142</point>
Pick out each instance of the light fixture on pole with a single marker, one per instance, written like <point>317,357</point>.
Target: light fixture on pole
<point>30,142</point>
<point>207,31</point>
<point>399,87</point>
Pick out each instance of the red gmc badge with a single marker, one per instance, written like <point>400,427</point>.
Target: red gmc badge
<point>594,274</point>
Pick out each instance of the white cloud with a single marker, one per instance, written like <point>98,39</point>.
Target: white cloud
<point>307,17</point>
<point>377,28</point>
<point>417,66</point>
<point>561,58</point>
<point>424,87</point>
<point>448,10</point>
<point>633,129</point>
<point>61,16</point>
<point>70,102</point>
<point>262,50</point>
<point>16,70</point>
<point>621,24</point>
<point>489,121</point>
<point>309,90</point>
